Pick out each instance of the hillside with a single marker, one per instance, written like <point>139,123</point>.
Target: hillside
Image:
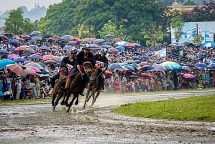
<point>170,2</point>
<point>34,14</point>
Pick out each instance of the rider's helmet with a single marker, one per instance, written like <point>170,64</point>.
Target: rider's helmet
<point>73,50</point>
<point>104,50</point>
<point>86,46</point>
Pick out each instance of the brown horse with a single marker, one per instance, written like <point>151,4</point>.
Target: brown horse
<point>79,81</point>
<point>58,91</point>
<point>95,86</point>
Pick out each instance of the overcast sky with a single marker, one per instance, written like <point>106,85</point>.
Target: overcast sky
<point>13,4</point>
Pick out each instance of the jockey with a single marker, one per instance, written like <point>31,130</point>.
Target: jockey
<point>84,56</point>
<point>66,60</point>
<point>102,58</point>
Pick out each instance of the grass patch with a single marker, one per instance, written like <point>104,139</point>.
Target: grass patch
<point>24,102</point>
<point>201,108</point>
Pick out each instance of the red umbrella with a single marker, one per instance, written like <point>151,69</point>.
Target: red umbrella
<point>50,61</point>
<point>3,37</point>
<point>88,39</point>
<point>56,37</point>
<point>188,76</point>
<point>16,69</point>
<point>25,36</point>
<point>76,39</point>
<point>21,48</point>
<point>145,75</point>
<point>48,57</point>
<point>116,40</point>
<point>108,74</point>
<point>143,64</point>
<point>130,45</point>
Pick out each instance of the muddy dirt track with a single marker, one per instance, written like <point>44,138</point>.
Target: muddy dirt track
<point>38,124</point>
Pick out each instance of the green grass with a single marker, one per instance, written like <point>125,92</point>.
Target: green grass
<point>24,102</point>
<point>191,109</point>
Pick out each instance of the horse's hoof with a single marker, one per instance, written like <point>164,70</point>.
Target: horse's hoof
<point>76,103</point>
<point>62,103</point>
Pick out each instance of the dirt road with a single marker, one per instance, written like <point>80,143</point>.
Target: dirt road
<point>38,124</point>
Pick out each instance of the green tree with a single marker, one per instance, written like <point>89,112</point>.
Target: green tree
<point>27,26</point>
<point>198,39</point>
<point>153,34</point>
<point>14,22</point>
<point>177,25</point>
<point>108,28</point>
<point>42,26</point>
<point>190,2</point>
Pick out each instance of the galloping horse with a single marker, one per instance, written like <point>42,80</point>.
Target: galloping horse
<point>58,91</point>
<point>94,87</point>
<point>78,83</point>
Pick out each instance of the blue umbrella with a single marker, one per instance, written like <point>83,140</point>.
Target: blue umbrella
<point>72,42</point>
<point>146,67</point>
<point>106,46</point>
<point>33,46</point>
<point>12,48</point>
<point>120,48</point>
<point>45,48</point>
<point>67,47</point>
<point>137,46</point>
<point>107,43</point>
<point>130,68</point>
<point>34,33</point>
<point>19,59</point>
<point>94,46</point>
<point>3,51</point>
<point>115,66</point>
<point>137,53</point>
<point>159,67</point>
<point>35,56</point>
<point>201,65</point>
<point>35,38</point>
<point>42,64</point>
<point>143,58</point>
<point>5,62</point>
<point>44,71</point>
<point>14,41</point>
<point>66,37</point>
<point>211,65</point>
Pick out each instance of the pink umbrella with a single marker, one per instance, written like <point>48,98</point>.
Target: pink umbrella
<point>188,76</point>
<point>16,69</point>
<point>12,56</point>
<point>29,71</point>
<point>38,53</point>
<point>34,68</point>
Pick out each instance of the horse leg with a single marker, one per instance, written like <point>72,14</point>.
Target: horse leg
<point>76,102</point>
<point>57,100</point>
<point>86,99</point>
<point>67,99</point>
<point>70,104</point>
<point>53,99</point>
<point>63,101</point>
<point>95,96</point>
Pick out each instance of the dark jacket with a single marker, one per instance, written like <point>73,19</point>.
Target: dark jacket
<point>66,61</point>
<point>80,58</point>
<point>98,57</point>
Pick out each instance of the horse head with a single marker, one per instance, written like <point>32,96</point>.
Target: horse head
<point>63,72</point>
<point>88,68</point>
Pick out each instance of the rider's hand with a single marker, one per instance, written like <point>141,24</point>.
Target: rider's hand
<point>79,67</point>
<point>103,69</point>
<point>66,77</point>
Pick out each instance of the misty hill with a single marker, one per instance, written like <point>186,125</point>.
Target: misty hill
<point>170,2</point>
<point>34,14</point>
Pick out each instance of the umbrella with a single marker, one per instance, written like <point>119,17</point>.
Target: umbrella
<point>168,68</point>
<point>88,39</point>
<point>209,44</point>
<point>106,46</point>
<point>130,45</point>
<point>137,53</point>
<point>29,71</point>
<point>34,68</point>
<point>188,76</point>
<point>173,65</point>
<point>120,48</point>
<point>56,37</point>
<point>33,47</point>
<point>66,37</point>
<point>96,41</point>
<point>115,66</point>
<point>201,65</point>
<point>44,71</point>
<point>47,36</point>
<point>107,43</point>
<point>94,46</point>
<point>33,64</point>
<point>5,62</point>
<point>16,69</point>
<point>136,66</point>
<point>30,51</point>
<point>49,61</point>
<point>130,61</point>
<point>130,68</point>
<point>12,48</point>
<point>3,51</point>
<point>67,47</point>
<point>113,50</point>
<point>143,58</point>
<point>19,59</point>
<point>186,68</point>
<point>3,37</point>
<point>116,40</point>
<point>143,63</point>
<point>45,48</point>
<point>121,43</point>
<point>35,56</point>
<point>145,75</point>
<point>34,33</point>
<point>108,74</point>
<point>35,38</point>
<point>147,67</point>
<point>76,39</point>
<point>159,67</point>
<point>108,37</point>
<point>47,57</point>
<point>58,58</point>
<point>72,42</point>
<point>42,64</point>
<point>21,48</point>
<point>12,56</point>
<point>25,36</point>
<point>14,41</point>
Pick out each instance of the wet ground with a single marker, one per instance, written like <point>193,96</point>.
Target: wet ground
<point>38,124</point>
